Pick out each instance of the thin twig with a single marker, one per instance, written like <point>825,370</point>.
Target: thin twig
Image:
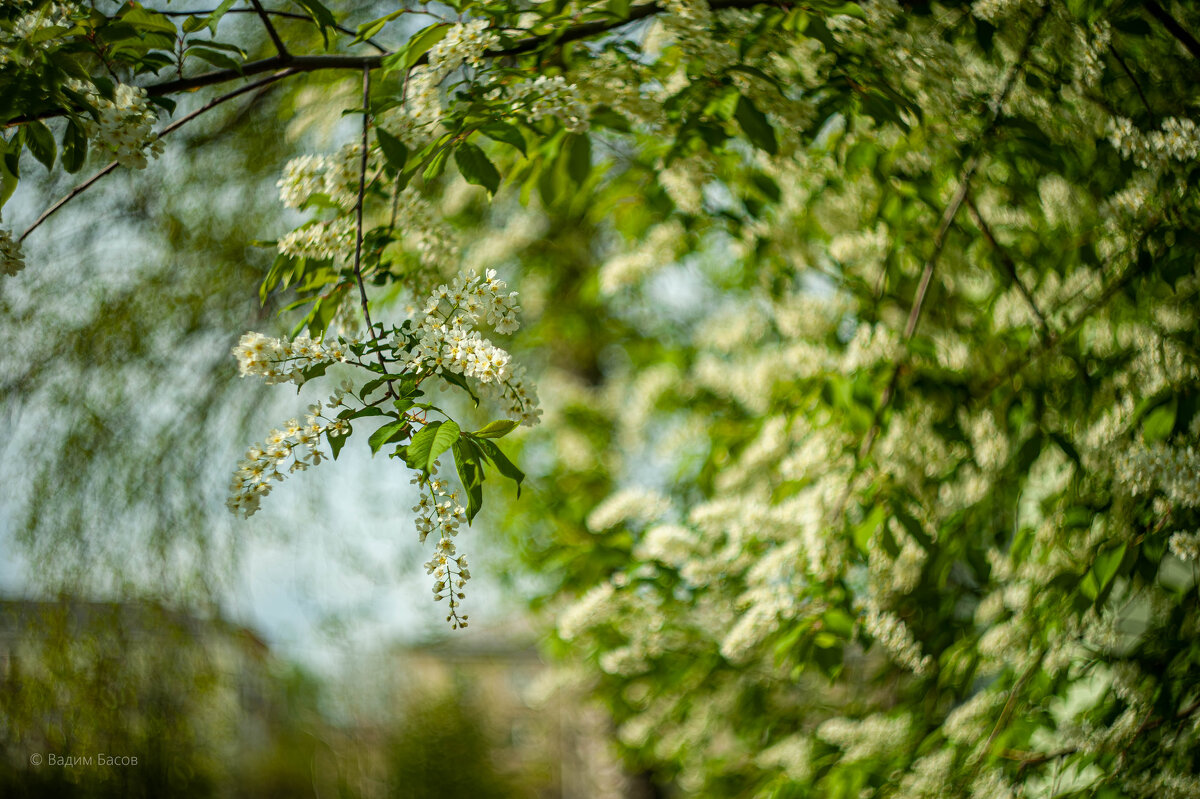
<point>1028,759</point>
<point>1173,26</point>
<point>1010,266</point>
<point>82,187</point>
<point>1011,703</point>
<point>1036,352</point>
<point>358,233</point>
<point>274,34</point>
<point>1129,73</point>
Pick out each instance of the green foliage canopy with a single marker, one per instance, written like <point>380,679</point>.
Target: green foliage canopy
<point>908,504</point>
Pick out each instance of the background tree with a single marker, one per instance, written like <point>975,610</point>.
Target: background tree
<point>879,320</point>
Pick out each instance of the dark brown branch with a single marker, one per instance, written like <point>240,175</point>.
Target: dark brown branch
<point>952,208</point>
<point>1010,267</point>
<point>1034,353</point>
<point>314,63</point>
<point>939,240</point>
<point>1129,73</point>
<point>1173,27</point>
<point>280,48</point>
<point>87,184</point>
<point>358,230</point>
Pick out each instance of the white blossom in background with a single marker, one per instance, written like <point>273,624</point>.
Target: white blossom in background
<point>1178,140</point>
<point>465,43</point>
<point>890,632</point>
<point>631,267</point>
<point>320,240</point>
<point>793,755</point>
<point>870,737</point>
<point>1186,546</point>
<point>551,96</point>
<point>1173,470</point>
<point>629,506</point>
<point>26,26</point>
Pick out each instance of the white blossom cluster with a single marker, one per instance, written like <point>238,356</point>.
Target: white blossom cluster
<point>1179,140</point>
<point>282,361</point>
<point>334,176</point>
<point>26,26</point>
<point>1185,546</point>
<point>438,510</point>
<point>464,43</point>
<point>12,260</point>
<point>551,96</point>
<point>320,240</point>
<point>446,341</point>
<point>890,632</point>
<point>632,505</point>
<point>126,127</point>
<point>125,124</point>
<point>291,448</point>
<point>865,738</point>
<point>1173,470</point>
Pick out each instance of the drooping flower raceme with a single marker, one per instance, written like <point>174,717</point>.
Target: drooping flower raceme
<point>444,342</point>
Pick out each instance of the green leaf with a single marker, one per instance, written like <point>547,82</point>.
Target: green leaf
<point>476,168</point>
<point>461,382</point>
<point>337,442</point>
<point>212,19</point>
<point>1159,422</point>
<point>437,164</point>
<point>74,147</point>
<point>755,125</point>
<point>430,442</point>
<point>40,142</point>
<point>1106,564</point>
<point>443,439</point>
<point>501,461</point>
<point>320,15</point>
<point>579,157</point>
<point>217,59</point>
<point>503,132</point>
<point>394,151</point>
<point>467,460</point>
<point>148,21</point>
<point>497,429</point>
<point>407,57</point>
<point>392,431</point>
<point>8,182</point>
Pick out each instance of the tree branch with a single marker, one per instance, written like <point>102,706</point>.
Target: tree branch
<point>314,63</point>
<point>1173,27</point>
<point>1009,266</point>
<point>358,231</point>
<point>952,208</point>
<point>274,34</point>
<point>87,184</point>
<point>939,240</point>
